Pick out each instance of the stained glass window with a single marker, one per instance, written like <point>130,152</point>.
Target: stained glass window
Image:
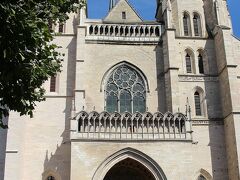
<point>125,91</point>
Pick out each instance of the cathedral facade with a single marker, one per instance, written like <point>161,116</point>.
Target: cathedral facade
<point>144,100</point>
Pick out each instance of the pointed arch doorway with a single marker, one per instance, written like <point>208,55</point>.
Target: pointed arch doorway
<point>129,164</point>
<point>129,169</point>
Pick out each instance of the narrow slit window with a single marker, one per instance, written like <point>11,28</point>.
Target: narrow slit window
<point>188,63</point>
<point>124,15</point>
<point>186,25</point>
<point>197,25</point>
<point>200,64</point>
<point>53,84</point>
<point>61,28</point>
<point>198,109</point>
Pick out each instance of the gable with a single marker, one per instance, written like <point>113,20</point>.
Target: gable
<point>115,15</point>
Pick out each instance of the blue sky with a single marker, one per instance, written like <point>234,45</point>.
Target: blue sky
<point>146,8</point>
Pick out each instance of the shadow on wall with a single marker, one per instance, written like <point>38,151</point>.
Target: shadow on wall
<point>160,78</point>
<point>214,113</point>
<point>58,164</point>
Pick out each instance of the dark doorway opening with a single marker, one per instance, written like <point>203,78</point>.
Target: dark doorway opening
<point>129,169</point>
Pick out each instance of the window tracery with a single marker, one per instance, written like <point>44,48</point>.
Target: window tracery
<point>125,91</point>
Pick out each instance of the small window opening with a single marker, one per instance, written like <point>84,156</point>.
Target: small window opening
<point>124,16</point>
<point>61,28</point>
<point>188,64</point>
<point>201,177</point>
<point>197,104</point>
<point>186,25</point>
<point>53,84</point>
<point>200,64</point>
<point>197,25</point>
<point>51,178</point>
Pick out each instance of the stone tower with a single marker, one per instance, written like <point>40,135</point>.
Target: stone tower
<point>220,48</point>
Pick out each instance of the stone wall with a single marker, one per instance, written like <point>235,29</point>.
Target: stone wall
<point>178,160</point>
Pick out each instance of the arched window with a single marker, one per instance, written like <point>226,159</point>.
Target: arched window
<point>50,178</point>
<point>197,24</point>
<point>201,177</point>
<point>186,25</point>
<point>188,63</point>
<point>197,100</point>
<point>125,91</point>
<point>200,64</point>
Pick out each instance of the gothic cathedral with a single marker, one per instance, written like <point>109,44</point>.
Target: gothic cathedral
<point>135,100</point>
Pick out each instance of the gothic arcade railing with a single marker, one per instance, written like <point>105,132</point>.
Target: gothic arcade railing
<point>126,126</point>
<point>124,32</point>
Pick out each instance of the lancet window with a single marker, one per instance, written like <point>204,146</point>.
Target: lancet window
<point>198,108</point>
<point>197,24</point>
<point>188,63</point>
<point>125,91</point>
<point>186,25</point>
<point>200,64</point>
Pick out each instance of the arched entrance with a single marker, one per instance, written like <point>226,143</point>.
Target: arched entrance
<point>129,164</point>
<point>129,169</point>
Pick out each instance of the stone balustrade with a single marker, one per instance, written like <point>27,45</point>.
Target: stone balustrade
<point>122,32</point>
<point>137,126</point>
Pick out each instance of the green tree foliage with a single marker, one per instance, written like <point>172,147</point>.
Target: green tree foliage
<point>27,56</point>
